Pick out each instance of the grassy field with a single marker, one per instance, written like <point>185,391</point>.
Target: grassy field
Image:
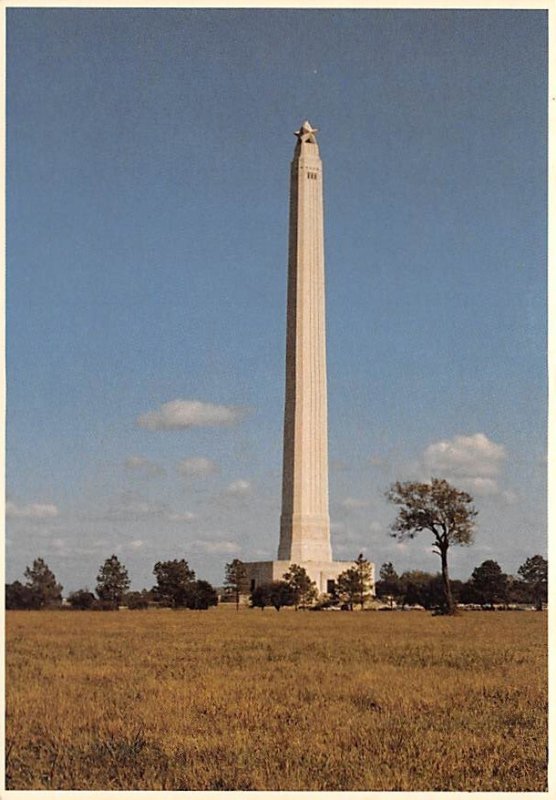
<point>163,700</point>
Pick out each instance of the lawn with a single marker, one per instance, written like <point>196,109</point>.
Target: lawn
<point>289,701</point>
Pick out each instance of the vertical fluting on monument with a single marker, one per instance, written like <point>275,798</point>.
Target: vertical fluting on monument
<point>305,522</point>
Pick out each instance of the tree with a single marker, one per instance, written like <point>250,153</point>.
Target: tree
<point>20,597</point>
<point>534,573</point>
<point>82,599</point>
<point>276,593</point>
<point>280,594</point>
<point>236,579</point>
<point>260,596</point>
<point>489,583</point>
<point>112,582</point>
<point>201,595</point>
<point>303,590</point>
<point>417,588</point>
<point>42,582</point>
<point>518,591</point>
<point>174,580</point>
<point>439,508</point>
<point>355,584</point>
<point>137,600</point>
<point>388,587</point>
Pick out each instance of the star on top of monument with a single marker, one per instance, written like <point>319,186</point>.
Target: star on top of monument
<point>306,133</point>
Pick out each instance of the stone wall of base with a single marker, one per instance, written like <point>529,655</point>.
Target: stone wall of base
<point>321,572</point>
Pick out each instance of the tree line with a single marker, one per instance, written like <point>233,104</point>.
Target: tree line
<point>176,587</point>
<point>487,587</point>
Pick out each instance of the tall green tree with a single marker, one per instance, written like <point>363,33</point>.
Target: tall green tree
<point>534,573</point>
<point>415,588</point>
<point>236,579</point>
<point>174,580</point>
<point>439,508</point>
<point>280,594</point>
<point>489,583</point>
<point>136,601</point>
<point>19,597</point>
<point>275,593</point>
<point>388,586</point>
<point>42,583</point>
<point>201,595</point>
<point>356,583</point>
<point>304,591</point>
<point>260,596</point>
<point>112,581</point>
<point>82,599</point>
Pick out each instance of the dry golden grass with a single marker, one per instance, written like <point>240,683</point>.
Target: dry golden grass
<point>162,700</point>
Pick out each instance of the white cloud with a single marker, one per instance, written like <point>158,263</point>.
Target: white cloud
<point>510,497</point>
<point>31,511</point>
<point>474,462</point>
<point>239,488</point>
<point>473,456</point>
<point>136,544</point>
<point>59,544</point>
<point>351,503</point>
<point>143,465</point>
<point>197,465</point>
<point>171,516</point>
<point>179,414</point>
<point>375,527</point>
<point>222,546</point>
<point>128,506</point>
<point>131,507</point>
<point>480,486</point>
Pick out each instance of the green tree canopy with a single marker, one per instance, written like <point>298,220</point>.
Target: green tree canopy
<point>82,599</point>
<point>276,593</point>
<point>415,588</point>
<point>355,584</point>
<point>304,591</point>
<point>173,582</point>
<point>42,582</point>
<point>260,596</point>
<point>236,579</point>
<point>534,573</point>
<point>112,581</point>
<point>489,583</point>
<point>280,594</point>
<point>201,596</point>
<point>137,600</point>
<point>439,508</point>
<point>389,586</point>
<point>19,597</point>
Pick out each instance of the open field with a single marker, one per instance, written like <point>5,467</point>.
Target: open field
<point>165,700</point>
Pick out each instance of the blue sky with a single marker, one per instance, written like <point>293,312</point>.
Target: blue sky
<point>147,196</point>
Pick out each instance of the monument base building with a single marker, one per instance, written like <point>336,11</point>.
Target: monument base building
<point>323,573</point>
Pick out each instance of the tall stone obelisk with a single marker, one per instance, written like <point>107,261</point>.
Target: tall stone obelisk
<point>305,522</point>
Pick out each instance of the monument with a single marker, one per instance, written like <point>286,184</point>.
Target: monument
<point>305,521</point>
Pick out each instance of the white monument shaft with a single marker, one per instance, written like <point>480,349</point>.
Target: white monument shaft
<point>305,524</point>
